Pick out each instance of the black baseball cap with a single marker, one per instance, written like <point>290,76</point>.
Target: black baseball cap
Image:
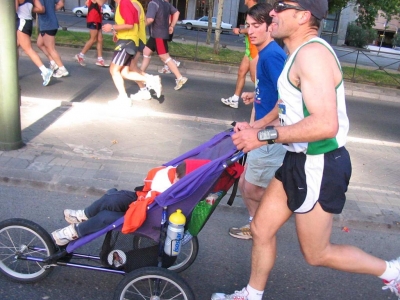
<point>318,8</point>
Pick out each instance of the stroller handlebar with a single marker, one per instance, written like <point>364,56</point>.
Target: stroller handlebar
<point>234,159</point>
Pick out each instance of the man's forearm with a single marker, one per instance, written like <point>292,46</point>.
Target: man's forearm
<point>60,4</point>
<point>175,18</point>
<point>149,21</point>
<point>309,129</point>
<point>268,118</point>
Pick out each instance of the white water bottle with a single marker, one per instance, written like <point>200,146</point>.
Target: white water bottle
<point>175,232</point>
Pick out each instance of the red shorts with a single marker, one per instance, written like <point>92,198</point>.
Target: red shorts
<point>157,45</point>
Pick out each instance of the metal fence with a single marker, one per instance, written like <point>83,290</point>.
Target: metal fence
<point>379,66</point>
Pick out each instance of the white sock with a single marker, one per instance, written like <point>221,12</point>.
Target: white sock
<point>81,55</point>
<point>253,293</point>
<point>52,62</point>
<point>43,69</point>
<point>100,58</point>
<point>62,68</point>
<point>235,98</point>
<point>250,219</point>
<point>179,78</point>
<point>391,272</point>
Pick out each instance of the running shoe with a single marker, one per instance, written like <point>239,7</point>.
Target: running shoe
<point>74,216</point>
<point>178,63</point>
<point>154,83</point>
<point>394,285</point>
<point>237,295</point>
<point>101,63</point>
<point>141,95</point>
<point>243,232</point>
<point>65,235</point>
<point>80,60</point>
<point>230,102</point>
<point>47,76</point>
<point>180,83</point>
<point>54,67</point>
<point>164,70</point>
<point>60,73</point>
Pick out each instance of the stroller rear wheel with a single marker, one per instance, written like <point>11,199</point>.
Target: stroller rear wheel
<point>185,258</point>
<point>153,283</point>
<point>21,237</point>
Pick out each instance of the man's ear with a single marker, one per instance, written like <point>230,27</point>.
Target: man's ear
<point>305,16</point>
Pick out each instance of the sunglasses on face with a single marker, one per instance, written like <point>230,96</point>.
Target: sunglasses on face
<point>281,6</point>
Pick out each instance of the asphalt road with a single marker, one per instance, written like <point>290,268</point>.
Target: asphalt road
<point>200,97</point>
<point>222,263</point>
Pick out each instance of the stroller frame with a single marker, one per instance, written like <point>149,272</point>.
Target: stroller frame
<point>36,246</point>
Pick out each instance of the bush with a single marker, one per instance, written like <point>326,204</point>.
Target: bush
<point>359,37</point>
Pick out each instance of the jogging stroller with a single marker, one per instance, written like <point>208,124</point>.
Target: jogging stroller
<point>28,253</point>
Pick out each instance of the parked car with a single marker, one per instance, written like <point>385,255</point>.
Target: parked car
<point>107,10</point>
<point>203,22</point>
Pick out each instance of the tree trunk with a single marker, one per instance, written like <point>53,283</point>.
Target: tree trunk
<point>210,15</point>
<point>218,30</point>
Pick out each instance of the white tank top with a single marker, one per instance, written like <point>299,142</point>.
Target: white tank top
<point>292,108</point>
<point>24,10</point>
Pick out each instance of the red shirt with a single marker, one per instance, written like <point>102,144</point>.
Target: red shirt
<point>94,13</point>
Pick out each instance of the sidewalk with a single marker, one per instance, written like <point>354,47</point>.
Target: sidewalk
<point>89,148</point>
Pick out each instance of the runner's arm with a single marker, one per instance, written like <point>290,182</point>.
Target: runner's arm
<point>267,119</point>
<point>174,20</point>
<point>60,4</point>
<point>38,7</point>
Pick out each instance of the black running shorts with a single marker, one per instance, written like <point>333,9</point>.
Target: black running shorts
<point>25,26</point>
<point>308,179</point>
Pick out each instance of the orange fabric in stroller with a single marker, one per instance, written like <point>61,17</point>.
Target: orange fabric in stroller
<point>137,211</point>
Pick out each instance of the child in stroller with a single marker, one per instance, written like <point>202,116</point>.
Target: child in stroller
<point>114,203</point>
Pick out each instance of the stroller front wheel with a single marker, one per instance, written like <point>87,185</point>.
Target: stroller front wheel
<point>19,238</point>
<point>153,283</point>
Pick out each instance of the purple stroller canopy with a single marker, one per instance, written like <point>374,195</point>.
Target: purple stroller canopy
<point>219,149</point>
<point>185,193</point>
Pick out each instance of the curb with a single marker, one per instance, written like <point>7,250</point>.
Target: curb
<point>372,92</point>
<point>50,186</point>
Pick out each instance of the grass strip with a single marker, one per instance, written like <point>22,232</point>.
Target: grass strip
<point>230,57</point>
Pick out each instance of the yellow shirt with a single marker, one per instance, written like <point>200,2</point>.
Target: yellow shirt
<point>142,24</point>
<point>131,17</point>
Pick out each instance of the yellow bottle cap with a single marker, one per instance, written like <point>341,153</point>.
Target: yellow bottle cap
<point>177,217</point>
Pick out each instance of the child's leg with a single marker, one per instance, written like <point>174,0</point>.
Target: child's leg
<point>98,222</point>
<point>113,200</point>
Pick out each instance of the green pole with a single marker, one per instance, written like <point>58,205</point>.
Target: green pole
<point>10,122</point>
